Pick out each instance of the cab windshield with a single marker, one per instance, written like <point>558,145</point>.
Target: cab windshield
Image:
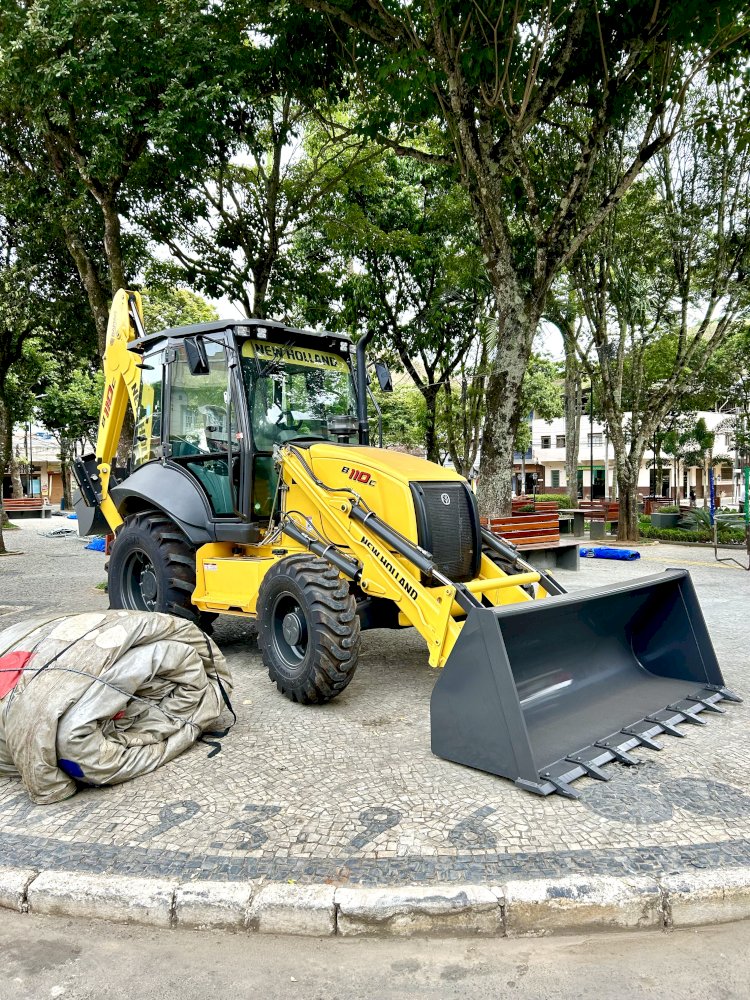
<point>293,391</point>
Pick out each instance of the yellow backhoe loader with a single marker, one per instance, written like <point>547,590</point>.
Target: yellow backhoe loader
<point>252,489</point>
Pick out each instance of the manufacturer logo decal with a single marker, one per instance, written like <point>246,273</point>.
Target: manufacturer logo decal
<point>445,499</point>
<point>393,570</point>
<point>359,475</point>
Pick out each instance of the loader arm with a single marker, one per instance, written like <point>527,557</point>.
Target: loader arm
<point>436,609</point>
<point>122,376</point>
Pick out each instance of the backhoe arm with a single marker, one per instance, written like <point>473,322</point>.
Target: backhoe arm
<point>121,383</point>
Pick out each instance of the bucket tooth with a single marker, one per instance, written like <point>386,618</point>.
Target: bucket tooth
<point>644,740</point>
<point>725,693</point>
<point>536,787</point>
<point>708,706</point>
<point>688,716</point>
<point>620,755</point>
<point>591,769</point>
<point>667,727</point>
<point>562,787</point>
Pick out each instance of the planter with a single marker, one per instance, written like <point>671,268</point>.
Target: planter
<point>665,520</point>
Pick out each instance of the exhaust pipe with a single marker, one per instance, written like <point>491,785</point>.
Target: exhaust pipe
<point>364,423</point>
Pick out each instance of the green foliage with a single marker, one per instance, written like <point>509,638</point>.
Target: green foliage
<point>166,306</point>
<point>729,536</point>
<point>561,499</point>
<point>403,419</point>
<point>541,395</point>
<point>70,402</point>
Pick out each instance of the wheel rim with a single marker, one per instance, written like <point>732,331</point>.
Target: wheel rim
<point>289,631</point>
<point>140,588</point>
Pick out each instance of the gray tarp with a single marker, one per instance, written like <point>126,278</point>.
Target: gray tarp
<point>104,697</point>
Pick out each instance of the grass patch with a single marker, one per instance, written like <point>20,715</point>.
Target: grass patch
<point>102,586</point>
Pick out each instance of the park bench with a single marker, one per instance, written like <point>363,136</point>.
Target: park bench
<point>537,536</point>
<point>600,513</point>
<point>27,507</point>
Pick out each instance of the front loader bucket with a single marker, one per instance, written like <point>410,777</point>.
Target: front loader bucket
<point>548,691</point>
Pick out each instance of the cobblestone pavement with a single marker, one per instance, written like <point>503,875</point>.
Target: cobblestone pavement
<point>350,792</point>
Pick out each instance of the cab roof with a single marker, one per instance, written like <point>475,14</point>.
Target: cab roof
<point>242,328</point>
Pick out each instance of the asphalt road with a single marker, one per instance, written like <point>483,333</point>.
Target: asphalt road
<point>48,957</point>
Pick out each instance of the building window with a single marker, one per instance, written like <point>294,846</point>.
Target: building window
<point>560,441</point>
<point>596,440</point>
<point>555,477</point>
<point>546,442</point>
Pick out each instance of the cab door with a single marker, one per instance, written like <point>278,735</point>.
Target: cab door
<point>203,434</point>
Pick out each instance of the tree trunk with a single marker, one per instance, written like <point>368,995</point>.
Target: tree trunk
<point>430,395</point>
<point>96,291</point>
<point>572,421</point>
<point>627,487</point>
<point>15,473</point>
<point>502,414</point>
<point>67,448</point>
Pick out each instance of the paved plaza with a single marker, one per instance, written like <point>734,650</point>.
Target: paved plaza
<point>349,792</point>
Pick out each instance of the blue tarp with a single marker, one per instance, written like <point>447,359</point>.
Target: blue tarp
<point>602,552</point>
<point>96,544</point>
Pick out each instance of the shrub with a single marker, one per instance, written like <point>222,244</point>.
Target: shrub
<point>561,499</point>
<point>727,536</point>
<point>669,509</point>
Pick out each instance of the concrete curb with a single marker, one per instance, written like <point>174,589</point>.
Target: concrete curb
<point>537,907</point>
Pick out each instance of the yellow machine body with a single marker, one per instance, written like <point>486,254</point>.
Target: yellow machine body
<point>525,678</point>
<point>228,580</point>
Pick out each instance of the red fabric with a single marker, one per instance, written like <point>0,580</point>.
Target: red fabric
<point>11,668</point>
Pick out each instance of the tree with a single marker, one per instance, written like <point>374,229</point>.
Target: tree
<point>524,100</point>
<point>564,310</point>
<point>232,232</point>
<point>90,90</point>
<point>402,248</point>
<point>165,306</point>
<point>24,312</point>
<point>69,407</point>
<point>664,282</point>
<point>541,396</point>
<point>461,415</point>
<point>403,418</point>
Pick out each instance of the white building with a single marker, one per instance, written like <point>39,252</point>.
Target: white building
<point>546,460</point>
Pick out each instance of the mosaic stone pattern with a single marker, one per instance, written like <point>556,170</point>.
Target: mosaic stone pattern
<point>350,793</point>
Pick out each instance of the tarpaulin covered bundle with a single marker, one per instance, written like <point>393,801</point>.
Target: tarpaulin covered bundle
<point>102,697</point>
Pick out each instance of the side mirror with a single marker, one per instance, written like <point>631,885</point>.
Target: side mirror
<point>384,376</point>
<point>197,359</point>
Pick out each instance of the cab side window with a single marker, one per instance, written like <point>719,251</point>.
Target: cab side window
<point>202,422</point>
<point>147,438</point>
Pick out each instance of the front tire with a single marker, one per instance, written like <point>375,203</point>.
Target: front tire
<point>308,629</point>
<point>152,568</point>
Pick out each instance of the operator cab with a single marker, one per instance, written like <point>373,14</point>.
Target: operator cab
<point>216,398</point>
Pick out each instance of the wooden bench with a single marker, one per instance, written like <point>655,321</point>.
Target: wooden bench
<point>27,507</point>
<point>537,536</point>
<point>600,511</point>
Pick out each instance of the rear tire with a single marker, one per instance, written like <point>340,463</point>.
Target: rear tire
<point>308,629</point>
<point>152,568</point>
